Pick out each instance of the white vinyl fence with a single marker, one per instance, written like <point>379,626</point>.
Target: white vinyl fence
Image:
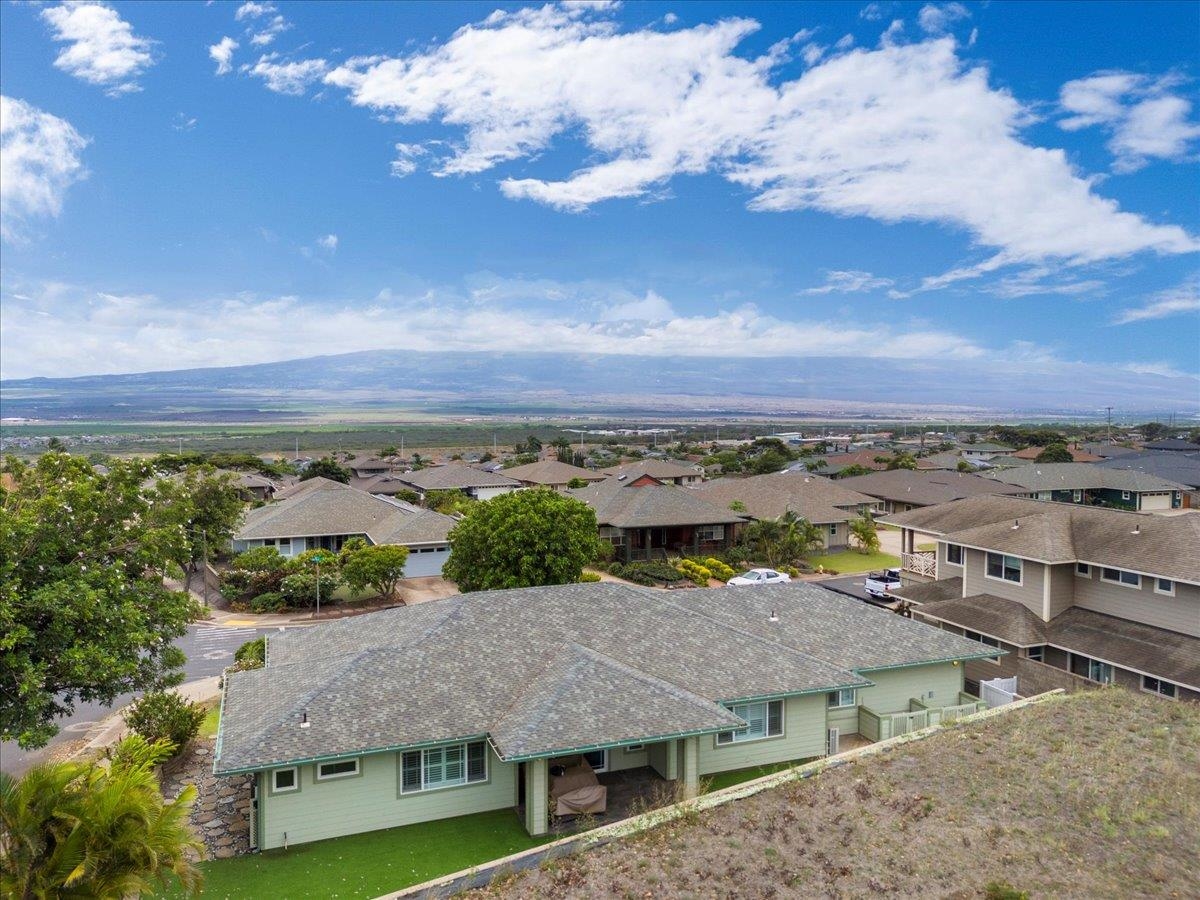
<point>998,691</point>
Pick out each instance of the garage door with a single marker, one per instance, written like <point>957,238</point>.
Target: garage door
<point>424,561</point>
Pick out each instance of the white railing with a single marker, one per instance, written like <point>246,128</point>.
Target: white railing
<point>998,691</point>
<point>922,562</point>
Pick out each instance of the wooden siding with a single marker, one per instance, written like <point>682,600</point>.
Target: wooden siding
<point>619,758</point>
<point>895,687</point>
<point>803,737</point>
<point>1029,592</point>
<point>1062,588</point>
<point>664,759</point>
<point>1179,613</point>
<point>372,800</point>
<point>844,718</point>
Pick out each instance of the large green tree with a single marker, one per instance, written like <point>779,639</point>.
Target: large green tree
<point>1055,453</point>
<point>84,613</point>
<point>379,567</point>
<point>325,467</point>
<point>206,504</point>
<point>71,829</point>
<point>522,539</point>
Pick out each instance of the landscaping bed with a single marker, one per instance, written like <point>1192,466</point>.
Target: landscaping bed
<point>1092,795</point>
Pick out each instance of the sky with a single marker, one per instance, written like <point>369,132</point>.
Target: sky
<point>998,184</point>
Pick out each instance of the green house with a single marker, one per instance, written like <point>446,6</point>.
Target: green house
<point>468,704</point>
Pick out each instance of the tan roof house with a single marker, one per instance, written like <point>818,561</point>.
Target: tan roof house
<point>551,473</point>
<point>663,470</point>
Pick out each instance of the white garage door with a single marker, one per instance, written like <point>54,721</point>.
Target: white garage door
<point>424,561</point>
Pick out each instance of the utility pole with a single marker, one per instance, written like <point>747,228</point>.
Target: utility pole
<point>1108,410</point>
<point>204,571</point>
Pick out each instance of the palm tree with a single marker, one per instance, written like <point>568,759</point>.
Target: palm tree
<point>863,531</point>
<point>95,830</point>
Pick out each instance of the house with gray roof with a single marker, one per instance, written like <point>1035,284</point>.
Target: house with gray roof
<point>902,489</point>
<point>552,473</point>
<point>472,703</point>
<point>644,518</point>
<point>663,470</point>
<point>476,483</point>
<point>828,504</point>
<point>324,514</point>
<point>1099,595</point>
<point>1182,468</point>
<point>1094,485</point>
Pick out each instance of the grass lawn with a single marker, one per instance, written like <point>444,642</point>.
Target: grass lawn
<point>737,776</point>
<point>208,728</point>
<point>367,865</point>
<point>849,562</point>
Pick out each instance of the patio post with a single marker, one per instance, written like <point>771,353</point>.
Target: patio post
<point>537,796</point>
<point>691,767</point>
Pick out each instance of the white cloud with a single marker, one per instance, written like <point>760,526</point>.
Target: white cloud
<point>405,162</point>
<point>1040,281</point>
<point>849,282</point>
<point>901,133</point>
<point>935,19</point>
<point>872,12</point>
<point>102,48</point>
<point>287,77</point>
<point>1183,299</point>
<point>40,158</point>
<point>183,122</point>
<point>254,10</point>
<point>328,242</point>
<point>264,22</point>
<point>222,54</point>
<point>651,308</point>
<point>812,53</point>
<point>1144,118</point>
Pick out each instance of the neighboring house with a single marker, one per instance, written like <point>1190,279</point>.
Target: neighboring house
<point>1107,595</point>
<point>369,467</point>
<point>1093,485</point>
<point>254,487</point>
<point>1182,468</point>
<point>901,489</point>
<point>462,705</point>
<point>473,482</point>
<point>382,485</point>
<point>646,519</point>
<point>984,450</point>
<point>659,469</point>
<point>324,514</point>
<point>1104,449</point>
<point>1172,445</point>
<point>1077,455</point>
<point>827,504</point>
<point>551,473</point>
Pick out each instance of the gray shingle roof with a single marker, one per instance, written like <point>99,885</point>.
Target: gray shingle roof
<point>1182,468</point>
<point>453,477</point>
<point>924,488</point>
<point>320,507</point>
<point>551,471</point>
<point>655,468</point>
<point>1005,620</point>
<point>625,505</point>
<point>931,591</point>
<point>1065,532</point>
<point>496,663</point>
<point>1081,476</point>
<point>817,499</point>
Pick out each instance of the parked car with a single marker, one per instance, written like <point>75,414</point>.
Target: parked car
<point>880,584</point>
<point>760,576</point>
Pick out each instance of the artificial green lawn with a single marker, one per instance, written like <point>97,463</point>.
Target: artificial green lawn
<point>208,728</point>
<point>851,561</point>
<point>737,776</point>
<point>367,865</point>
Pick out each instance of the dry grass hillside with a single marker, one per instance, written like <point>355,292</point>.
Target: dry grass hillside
<point>1095,795</point>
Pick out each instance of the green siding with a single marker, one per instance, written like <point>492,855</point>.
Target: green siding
<point>894,687</point>
<point>370,801</point>
<point>619,758</point>
<point>803,736</point>
<point>663,758</point>
<point>845,719</point>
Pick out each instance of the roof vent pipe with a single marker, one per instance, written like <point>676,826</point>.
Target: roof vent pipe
<point>1016,524</point>
<point>304,723</point>
<point>774,617</point>
<point>1137,529</point>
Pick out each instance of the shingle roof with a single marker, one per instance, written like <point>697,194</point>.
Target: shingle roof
<point>770,496</point>
<point>1174,445</point>
<point>1005,620</point>
<point>453,477</point>
<point>1065,532</point>
<point>655,468</point>
<point>1079,456</point>
<point>931,591</point>
<point>1081,476</point>
<point>623,504</point>
<point>320,507</point>
<point>924,488</point>
<point>1183,468</point>
<point>551,471</point>
<point>496,663</point>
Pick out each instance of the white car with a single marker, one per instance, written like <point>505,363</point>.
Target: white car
<point>760,576</point>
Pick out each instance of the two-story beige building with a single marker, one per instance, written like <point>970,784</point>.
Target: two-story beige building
<point>1108,596</point>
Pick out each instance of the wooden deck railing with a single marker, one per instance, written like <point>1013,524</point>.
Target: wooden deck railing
<point>877,726</point>
<point>922,562</point>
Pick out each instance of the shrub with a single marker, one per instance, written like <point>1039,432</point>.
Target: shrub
<point>300,589</point>
<point>719,569</point>
<point>270,602</point>
<point>253,654</point>
<point>165,716</point>
<point>738,556</point>
<point>605,552</point>
<point>790,570</point>
<point>696,572</point>
<point>588,577</point>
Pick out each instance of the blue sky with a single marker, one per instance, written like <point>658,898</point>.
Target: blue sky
<point>997,184</point>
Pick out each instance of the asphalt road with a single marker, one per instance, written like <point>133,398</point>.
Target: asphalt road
<point>849,584</point>
<point>209,649</point>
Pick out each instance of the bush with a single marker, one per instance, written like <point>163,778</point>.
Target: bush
<point>588,577</point>
<point>737,556</point>
<point>254,651</point>
<point>165,716</point>
<point>605,552</point>
<point>300,589</point>
<point>719,569</point>
<point>696,572</point>
<point>270,602</point>
<point>790,570</point>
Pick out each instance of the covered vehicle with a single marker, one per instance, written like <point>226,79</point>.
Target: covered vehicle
<point>759,576</point>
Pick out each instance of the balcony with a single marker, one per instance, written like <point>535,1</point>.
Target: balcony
<point>920,562</point>
<point>877,726</point>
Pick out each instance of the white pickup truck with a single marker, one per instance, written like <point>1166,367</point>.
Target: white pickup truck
<point>881,584</point>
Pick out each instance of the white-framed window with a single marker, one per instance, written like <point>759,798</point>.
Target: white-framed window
<point>1120,576</point>
<point>635,748</point>
<point>1077,496</point>
<point>1164,586</point>
<point>1158,686</point>
<point>598,760</point>
<point>763,720</point>
<point>1037,654</point>
<point>711,532</point>
<point>983,639</point>
<point>442,767</point>
<point>833,529</point>
<point>1083,570</point>
<point>284,781</point>
<point>1099,671</point>
<point>1002,567</point>
<point>843,698</point>
<point>343,768</point>
<point>954,554</point>
<point>1124,495</point>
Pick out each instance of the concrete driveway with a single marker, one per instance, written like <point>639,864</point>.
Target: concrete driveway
<point>431,587</point>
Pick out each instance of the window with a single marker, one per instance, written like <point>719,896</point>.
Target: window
<point>833,529</point>
<point>1120,576</point>
<point>635,748</point>
<point>1003,567</point>
<point>1124,495</point>
<point>341,769</point>
<point>954,554</point>
<point>1158,686</point>
<point>441,767</point>
<point>843,698</point>
<point>1077,496</point>
<point>598,760</point>
<point>711,532</point>
<point>983,639</point>
<point>763,720</point>
<point>1164,586</point>
<point>285,780</point>
<point>1100,671</point>
<point>1083,570</point>
<point>1037,654</point>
